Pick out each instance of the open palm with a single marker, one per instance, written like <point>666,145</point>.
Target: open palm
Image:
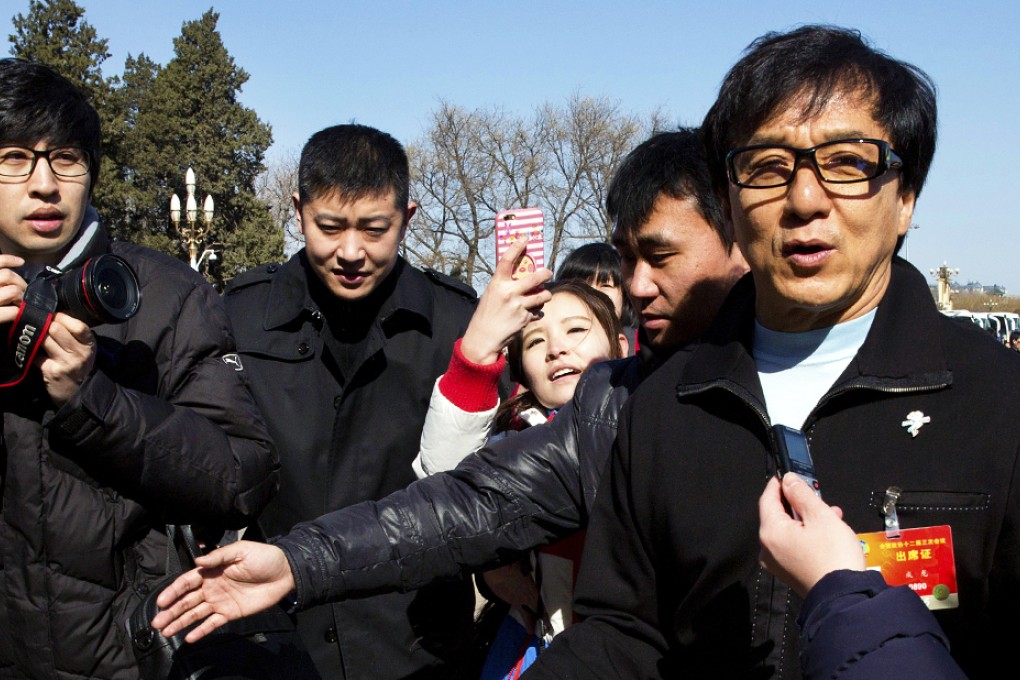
<point>229,583</point>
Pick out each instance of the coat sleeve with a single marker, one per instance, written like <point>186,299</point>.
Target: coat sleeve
<point>461,412</point>
<point>619,635</point>
<point>854,626</point>
<point>1004,579</point>
<point>197,450</point>
<point>513,495</point>
<point>450,433</point>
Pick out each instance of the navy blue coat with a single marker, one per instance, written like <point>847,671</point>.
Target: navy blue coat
<point>855,627</point>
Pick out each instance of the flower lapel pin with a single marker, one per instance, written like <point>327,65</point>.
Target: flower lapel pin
<point>915,420</point>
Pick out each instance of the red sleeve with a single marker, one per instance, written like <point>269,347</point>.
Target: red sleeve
<point>471,387</point>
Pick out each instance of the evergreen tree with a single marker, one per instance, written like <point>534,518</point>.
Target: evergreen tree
<point>121,204</point>
<point>188,113</point>
<point>158,120</point>
<point>54,33</point>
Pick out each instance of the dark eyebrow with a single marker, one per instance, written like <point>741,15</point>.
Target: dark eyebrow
<point>653,240</point>
<point>832,136</point>
<point>375,218</point>
<point>332,218</point>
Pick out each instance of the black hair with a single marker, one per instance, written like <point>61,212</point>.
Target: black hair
<point>598,262</point>
<point>671,164</point>
<point>356,161</point>
<point>601,308</point>
<point>821,62</point>
<point>38,104</point>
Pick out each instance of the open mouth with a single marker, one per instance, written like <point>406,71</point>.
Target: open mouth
<point>43,221</point>
<point>350,277</point>
<point>806,254</point>
<point>803,248</point>
<point>562,373</point>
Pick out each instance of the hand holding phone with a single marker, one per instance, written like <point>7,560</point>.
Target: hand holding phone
<point>794,456</point>
<point>800,552</point>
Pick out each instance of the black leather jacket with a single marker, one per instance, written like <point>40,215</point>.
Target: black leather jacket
<point>513,495</point>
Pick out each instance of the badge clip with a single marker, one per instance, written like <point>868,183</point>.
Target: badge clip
<point>892,520</point>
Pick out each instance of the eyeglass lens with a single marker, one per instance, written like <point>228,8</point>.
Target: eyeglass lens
<point>16,161</point>
<point>843,161</point>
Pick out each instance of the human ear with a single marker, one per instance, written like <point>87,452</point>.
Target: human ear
<point>297,212</point>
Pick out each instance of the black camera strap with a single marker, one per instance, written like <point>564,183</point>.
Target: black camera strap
<point>29,329</point>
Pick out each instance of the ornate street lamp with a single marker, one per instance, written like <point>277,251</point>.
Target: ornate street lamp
<point>193,230</point>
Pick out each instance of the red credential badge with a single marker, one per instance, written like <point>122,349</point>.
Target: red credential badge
<point>921,559</point>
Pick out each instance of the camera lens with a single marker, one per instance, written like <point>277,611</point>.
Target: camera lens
<point>110,289</point>
<point>103,290</point>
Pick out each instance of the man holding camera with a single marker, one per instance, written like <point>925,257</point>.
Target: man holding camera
<point>112,431</point>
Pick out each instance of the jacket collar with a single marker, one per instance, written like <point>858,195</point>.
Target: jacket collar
<point>903,349</point>
<point>290,296</point>
<point>905,342</point>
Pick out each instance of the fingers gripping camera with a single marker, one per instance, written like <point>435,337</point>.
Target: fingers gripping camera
<point>102,290</point>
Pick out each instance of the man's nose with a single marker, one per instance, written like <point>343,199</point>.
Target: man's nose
<point>350,247</point>
<point>640,286</point>
<point>42,181</point>
<point>807,197</point>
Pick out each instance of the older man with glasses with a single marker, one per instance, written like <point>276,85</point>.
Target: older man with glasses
<point>821,146</point>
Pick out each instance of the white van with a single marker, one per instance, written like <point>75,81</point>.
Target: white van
<point>1008,322</point>
<point>977,318</point>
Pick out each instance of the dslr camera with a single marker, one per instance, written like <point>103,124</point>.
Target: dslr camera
<point>102,290</point>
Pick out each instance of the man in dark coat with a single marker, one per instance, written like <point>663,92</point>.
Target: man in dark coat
<point>342,345</point>
<point>678,262</point>
<point>821,145</point>
<point>113,430</point>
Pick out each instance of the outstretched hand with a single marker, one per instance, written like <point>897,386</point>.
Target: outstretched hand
<point>229,583</point>
<point>801,551</point>
<point>506,306</point>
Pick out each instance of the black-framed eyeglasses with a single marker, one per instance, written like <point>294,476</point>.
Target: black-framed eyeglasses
<point>64,161</point>
<point>842,161</point>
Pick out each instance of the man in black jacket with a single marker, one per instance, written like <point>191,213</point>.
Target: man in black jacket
<point>108,432</point>
<point>525,491</point>
<point>822,145</point>
<point>342,345</point>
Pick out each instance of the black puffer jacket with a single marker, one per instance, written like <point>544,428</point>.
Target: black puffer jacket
<point>514,495</point>
<point>164,429</point>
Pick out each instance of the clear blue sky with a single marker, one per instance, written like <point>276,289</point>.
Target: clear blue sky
<point>387,64</point>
